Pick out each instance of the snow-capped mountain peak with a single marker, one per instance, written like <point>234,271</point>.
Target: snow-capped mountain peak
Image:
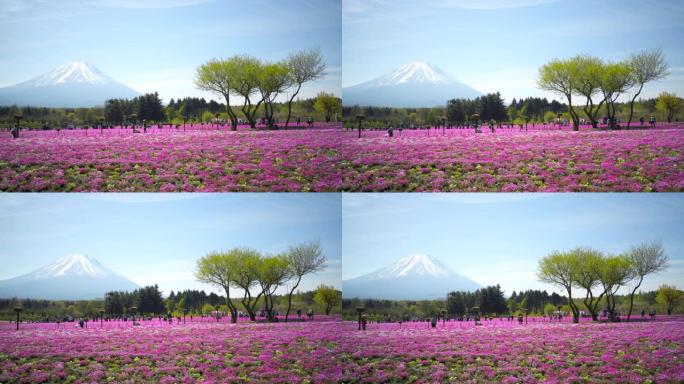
<point>71,265</point>
<point>416,72</point>
<point>416,277</point>
<point>418,84</point>
<point>74,72</point>
<point>418,264</point>
<point>72,85</point>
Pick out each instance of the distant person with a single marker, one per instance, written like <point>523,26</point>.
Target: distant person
<point>652,314</point>
<point>299,311</point>
<point>433,322</point>
<point>641,121</point>
<point>652,121</point>
<point>390,131</point>
<point>643,313</point>
<point>299,120</point>
<point>364,322</point>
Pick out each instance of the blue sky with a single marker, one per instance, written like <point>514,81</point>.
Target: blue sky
<point>499,238</point>
<point>157,44</point>
<point>157,238</point>
<point>498,45</point>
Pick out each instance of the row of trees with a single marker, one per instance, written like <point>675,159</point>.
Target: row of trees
<point>191,300</point>
<point>600,82</point>
<point>534,301</point>
<point>146,107</point>
<point>487,107</point>
<point>149,107</point>
<point>249,270</point>
<point>534,109</point>
<point>258,82</point>
<point>146,300</point>
<point>489,300</point>
<point>601,275</point>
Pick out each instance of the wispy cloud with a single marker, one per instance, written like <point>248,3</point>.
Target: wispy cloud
<point>146,4</point>
<point>489,4</point>
<point>140,197</point>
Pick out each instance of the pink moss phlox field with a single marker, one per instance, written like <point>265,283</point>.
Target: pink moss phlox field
<point>506,352</point>
<point>203,158</point>
<point>198,351</point>
<point>171,160</point>
<point>509,160</point>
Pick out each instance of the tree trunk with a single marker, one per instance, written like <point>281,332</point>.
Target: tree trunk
<point>573,307</point>
<point>289,297</point>
<point>231,307</point>
<point>631,104</point>
<point>231,114</point>
<point>289,114</point>
<point>573,114</point>
<point>631,298</point>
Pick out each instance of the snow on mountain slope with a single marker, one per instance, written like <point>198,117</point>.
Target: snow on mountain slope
<point>71,265</point>
<point>412,265</point>
<point>416,84</point>
<point>72,277</point>
<point>416,277</point>
<point>415,72</point>
<point>73,85</point>
<point>74,72</point>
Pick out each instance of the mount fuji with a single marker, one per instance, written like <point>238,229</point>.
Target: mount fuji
<point>73,85</point>
<point>417,277</point>
<point>415,85</point>
<point>72,277</point>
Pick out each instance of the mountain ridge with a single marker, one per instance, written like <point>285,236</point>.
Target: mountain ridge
<point>415,277</point>
<point>73,85</point>
<point>72,277</point>
<point>416,84</point>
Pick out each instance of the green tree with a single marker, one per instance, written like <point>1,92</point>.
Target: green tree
<point>561,269</point>
<point>304,259</point>
<point>248,77</point>
<point>247,267</point>
<point>218,269</point>
<point>304,66</point>
<point>615,79</point>
<point>562,76</point>
<point>646,258</point>
<point>328,297</point>
<point>669,296</point>
<point>614,272</point>
<point>273,80</point>
<point>590,71</point>
<point>219,76</point>
<point>670,104</point>
<point>328,105</point>
<point>589,264</point>
<point>274,272</point>
<point>646,66</point>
